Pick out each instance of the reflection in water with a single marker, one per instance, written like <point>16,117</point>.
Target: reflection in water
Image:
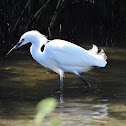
<point>23,83</point>
<point>81,113</point>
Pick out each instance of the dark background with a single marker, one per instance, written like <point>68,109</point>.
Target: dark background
<point>101,22</point>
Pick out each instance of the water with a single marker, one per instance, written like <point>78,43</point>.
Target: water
<point>23,83</point>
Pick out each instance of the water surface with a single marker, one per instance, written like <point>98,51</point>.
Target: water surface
<point>23,83</point>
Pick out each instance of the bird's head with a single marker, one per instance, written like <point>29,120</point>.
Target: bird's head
<point>30,37</point>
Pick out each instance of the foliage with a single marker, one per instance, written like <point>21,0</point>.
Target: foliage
<point>44,108</point>
<point>88,21</point>
<point>20,16</point>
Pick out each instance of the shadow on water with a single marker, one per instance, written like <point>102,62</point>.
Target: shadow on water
<point>23,83</point>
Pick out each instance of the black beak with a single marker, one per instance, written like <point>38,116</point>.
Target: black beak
<point>15,47</point>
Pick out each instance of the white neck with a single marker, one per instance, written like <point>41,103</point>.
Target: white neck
<point>36,52</point>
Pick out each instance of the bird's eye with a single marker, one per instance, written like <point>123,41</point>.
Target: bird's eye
<point>22,40</point>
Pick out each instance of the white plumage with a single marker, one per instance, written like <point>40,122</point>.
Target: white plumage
<point>66,54</point>
<point>62,56</point>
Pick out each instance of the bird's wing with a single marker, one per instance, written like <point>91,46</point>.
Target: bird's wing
<point>68,54</point>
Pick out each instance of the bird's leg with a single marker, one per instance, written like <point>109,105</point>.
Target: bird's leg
<point>61,85</point>
<point>87,84</point>
<point>61,88</point>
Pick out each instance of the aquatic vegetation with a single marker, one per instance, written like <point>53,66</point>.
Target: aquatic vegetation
<point>44,108</point>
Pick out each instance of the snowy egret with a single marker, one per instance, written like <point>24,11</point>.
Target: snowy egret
<point>62,56</point>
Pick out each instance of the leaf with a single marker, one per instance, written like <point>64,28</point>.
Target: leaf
<point>58,4</point>
<point>40,10</point>
<point>21,14</point>
<point>45,107</point>
<point>54,122</point>
<point>8,68</point>
<point>15,72</point>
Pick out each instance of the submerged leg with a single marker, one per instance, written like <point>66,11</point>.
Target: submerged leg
<point>61,86</point>
<point>87,84</point>
<point>61,83</point>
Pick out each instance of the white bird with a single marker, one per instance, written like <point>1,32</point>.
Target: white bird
<point>62,56</point>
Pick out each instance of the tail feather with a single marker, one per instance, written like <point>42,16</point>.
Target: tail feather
<point>100,58</point>
<point>102,53</point>
<point>94,49</point>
